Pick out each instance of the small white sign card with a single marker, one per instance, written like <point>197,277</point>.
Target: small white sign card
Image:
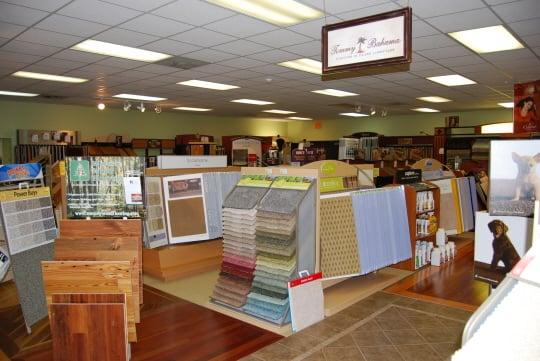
<point>307,301</point>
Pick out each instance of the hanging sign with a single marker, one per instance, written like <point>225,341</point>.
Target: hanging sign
<point>372,45</point>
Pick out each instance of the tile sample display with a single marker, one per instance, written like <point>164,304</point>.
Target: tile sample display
<point>30,229</point>
<point>89,328</point>
<point>185,208</point>
<point>104,187</point>
<point>155,230</point>
<point>91,277</point>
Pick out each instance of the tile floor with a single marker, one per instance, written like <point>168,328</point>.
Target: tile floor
<point>380,327</point>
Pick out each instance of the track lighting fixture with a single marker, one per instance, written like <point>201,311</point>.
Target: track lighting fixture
<point>141,107</point>
<point>157,109</point>
<point>372,110</point>
<point>101,106</point>
<point>127,106</point>
<point>384,113</point>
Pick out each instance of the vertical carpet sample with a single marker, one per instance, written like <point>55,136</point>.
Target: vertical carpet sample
<point>187,217</point>
<point>339,248</point>
<point>154,225</point>
<point>448,211</point>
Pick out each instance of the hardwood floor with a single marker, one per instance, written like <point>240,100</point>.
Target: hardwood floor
<point>171,329</point>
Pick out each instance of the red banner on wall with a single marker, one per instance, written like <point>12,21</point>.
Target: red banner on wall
<point>526,104</point>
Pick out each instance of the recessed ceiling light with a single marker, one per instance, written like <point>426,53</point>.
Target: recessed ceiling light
<point>251,101</point>
<point>354,114</point>
<point>193,109</point>
<point>434,99</point>
<point>334,93</point>
<point>451,80</point>
<point>497,128</point>
<point>304,64</point>
<point>299,118</point>
<point>506,105</point>
<point>282,12</point>
<point>426,110</point>
<point>207,85</point>
<point>17,94</point>
<point>119,51</point>
<point>139,97</point>
<point>50,77</point>
<point>277,111</point>
<point>487,40</point>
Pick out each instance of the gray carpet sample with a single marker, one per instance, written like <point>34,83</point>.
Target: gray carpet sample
<point>244,197</point>
<point>281,200</point>
<point>29,281</point>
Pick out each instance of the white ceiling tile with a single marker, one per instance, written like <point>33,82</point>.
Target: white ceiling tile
<point>280,38</point>
<point>141,5</point>
<point>125,37</point>
<point>446,52</point>
<point>472,19</point>
<point>339,6</point>
<point>397,76</point>
<point>461,60</point>
<point>241,26</point>
<point>80,56</point>
<point>432,42</point>
<point>61,63</point>
<point>274,56</point>
<point>94,10</point>
<point>193,12</point>
<point>157,69</point>
<point>135,74</point>
<point>423,65</point>
<point>509,56</point>
<point>98,70</point>
<point>519,10</point>
<point>430,8</point>
<point>120,63</point>
<point>244,74</point>
<point>171,47</point>
<point>215,69</point>
<point>30,48</point>
<point>45,37</point>
<point>155,25</point>
<point>526,27</point>
<point>242,63</point>
<point>20,15</point>
<point>202,37</point>
<point>368,11</point>
<point>8,30</point>
<point>271,69</point>
<point>532,40</point>
<point>421,28</point>
<point>45,5</point>
<point>313,28</point>
<point>18,57</point>
<point>71,26</point>
<point>241,47</point>
<point>309,49</point>
<point>209,55</point>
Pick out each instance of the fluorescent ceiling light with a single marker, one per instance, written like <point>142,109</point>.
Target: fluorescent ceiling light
<point>434,99</point>
<point>451,80</point>
<point>506,105</point>
<point>251,101</point>
<point>138,97</point>
<point>304,64</point>
<point>354,114</point>
<point>207,85</point>
<point>426,110</point>
<point>487,40</point>
<point>50,77</point>
<point>278,12</point>
<point>334,93</point>
<point>119,51</point>
<point>193,109</point>
<point>277,111</point>
<point>497,128</point>
<point>17,94</point>
<point>299,118</point>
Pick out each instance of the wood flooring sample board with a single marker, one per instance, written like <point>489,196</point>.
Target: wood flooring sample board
<point>103,249</point>
<point>91,277</point>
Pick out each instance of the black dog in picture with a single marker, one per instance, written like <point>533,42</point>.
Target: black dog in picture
<point>503,249</point>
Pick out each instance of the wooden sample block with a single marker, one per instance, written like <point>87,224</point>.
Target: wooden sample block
<point>103,249</point>
<point>91,277</point>
<point>94,328</point>
<point>105,228</point>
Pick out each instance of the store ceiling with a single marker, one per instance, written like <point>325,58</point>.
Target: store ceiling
<point>35,35</point>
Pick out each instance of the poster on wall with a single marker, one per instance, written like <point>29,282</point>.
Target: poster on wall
<point>104,187</point>
<point>499,244</point>
<point>514,177</point>
<point>526,103</point>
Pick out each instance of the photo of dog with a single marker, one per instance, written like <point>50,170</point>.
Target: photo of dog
<point>503,249</point>
<point>527,180</point>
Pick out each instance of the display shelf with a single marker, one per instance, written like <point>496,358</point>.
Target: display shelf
<point>424,212</point>
<point>422,237</point>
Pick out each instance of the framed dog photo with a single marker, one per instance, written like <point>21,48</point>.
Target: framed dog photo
<point>514,173</point>
<point>499,244</point>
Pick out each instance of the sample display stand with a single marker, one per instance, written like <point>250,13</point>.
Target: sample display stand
<point>180,260</point>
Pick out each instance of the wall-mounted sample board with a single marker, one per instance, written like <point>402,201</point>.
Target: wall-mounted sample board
<point>104,187</point>
<point>91,277</point>
<point>30,229</point>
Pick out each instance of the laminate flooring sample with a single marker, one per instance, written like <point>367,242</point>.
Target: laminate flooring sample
<point>91,277</point>
<point>89,331</point>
